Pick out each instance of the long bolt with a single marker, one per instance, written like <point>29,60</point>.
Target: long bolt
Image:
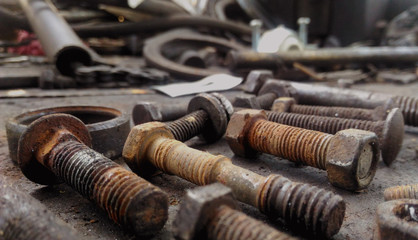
<point>390,131</point>
<point>286,104</point>
<point>58,144</point>
<point>303,207</point>
<point>22,217</point>
<point>400,192</point>
<point>350,157</point>
<point>409,107</point>
<point>150,111</point>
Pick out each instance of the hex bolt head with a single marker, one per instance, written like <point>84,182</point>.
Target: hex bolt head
<point>146,112</point>
<point>255,80</point>
<point>283,104</point>
<point>247,102</point>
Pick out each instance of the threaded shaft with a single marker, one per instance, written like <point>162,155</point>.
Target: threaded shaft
<point>295,144</point>
<point>303,207</point>
<point>234,225</point>
<point>339,112</point>
<point>399,192</point>
<point>175,157</point>
<point>325,124</point>
<point>112,187</point>
<point>266,100</point>
<point>188,126</point>
<point>409,107</point>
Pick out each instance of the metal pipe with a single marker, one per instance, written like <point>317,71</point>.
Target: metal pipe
<point>324,57</point>
<point>61,45</point>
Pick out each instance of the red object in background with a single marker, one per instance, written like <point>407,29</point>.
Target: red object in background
<point>34,48</point>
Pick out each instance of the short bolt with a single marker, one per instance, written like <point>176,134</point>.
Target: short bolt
<point>212,211</point>
<point>23,217</point>
<point>350,157</point>
<point>55,148</point>
<point>208,115</point>
<point>303,207</point>
<point>400,192</point>
<point>390,132</point>
<point>288,104</point>
<point>255,25</point>
<point>150,111</point>
<point>303,23</point>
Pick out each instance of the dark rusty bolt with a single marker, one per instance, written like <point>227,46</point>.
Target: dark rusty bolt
<point>397,219</point>
<point>208,116</point>
<point>23,217</point>
<point>150,111</point>
<point>55,147</point>
<point>400,192</point>
<point>350,157</point>
<point>288,104</point>
<point>390,132</point>
<point>212,211</point>
<point>304,208</point>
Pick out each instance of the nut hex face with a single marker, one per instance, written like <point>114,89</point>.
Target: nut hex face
<point>137,143</point>
<point>392,136</point>
<point>146,112</point>
<point>198,208</point>
<point>283,104</point>
<point>352,159</point>
<point>238,127</point>
<point>38,134</point>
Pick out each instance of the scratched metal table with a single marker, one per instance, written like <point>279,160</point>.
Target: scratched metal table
<point>93,223</point>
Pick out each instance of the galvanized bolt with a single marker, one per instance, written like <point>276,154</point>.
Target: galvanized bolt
<point>399,192</point>
<point>390,132</point>
<point>55,147</point>
<point>212,211</point>
<point>255,25</point>
<point>303,23</point>
<point>150,111</point>
<point>288,104</point>
<point>208,115</point>
<point>397,219</point>
<point>303,207</point>
<point>350,157</point>
<point>23,217</point>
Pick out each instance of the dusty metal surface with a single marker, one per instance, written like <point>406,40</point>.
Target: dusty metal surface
<point>93,223</point>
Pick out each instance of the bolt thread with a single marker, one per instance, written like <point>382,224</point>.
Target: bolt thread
<point>325,124</point>
<point>266,100</point>
<point>295,144</point>
<point>234,225</point>
<point>188,126</point>
<point>338,112</point>
<point>302,206</point>
<point>400,192</point>
<point>99,179</point>
<point>409,107</point>
<point>175,157</point>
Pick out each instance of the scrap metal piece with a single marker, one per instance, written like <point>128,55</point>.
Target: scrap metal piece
<point>108,127</point>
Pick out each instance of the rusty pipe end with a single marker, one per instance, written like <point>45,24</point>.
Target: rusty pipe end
<point>40,137</point>
<point>352,158</point>
<point>392,136</point>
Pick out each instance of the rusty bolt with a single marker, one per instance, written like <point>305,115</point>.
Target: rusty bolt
<point>208,116</point>
<point>397,219</point>
<point>151,145</point>
<point>55,147</point>
<point>399,192</point>
<point>23,217</point>
<point>255,80</point>
<point>350,157</point>
<point>212,211</point>
<point>288,104</point>
<point>390,131</point>
<point>150,111</point>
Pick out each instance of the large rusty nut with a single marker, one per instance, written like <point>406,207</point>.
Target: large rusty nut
<point>247,102</point>
<point>198,208</point>
<point>217,115</point>
<point>255,80</point>
<point>146,112</point>
<point>283,104</point>
<point>397,219</point>
<point>278,88</point>
<point>238,128</point>
<point>134,151</point>
<point>108,127</point>
<point>352,159</point>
